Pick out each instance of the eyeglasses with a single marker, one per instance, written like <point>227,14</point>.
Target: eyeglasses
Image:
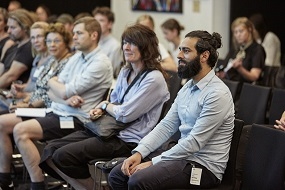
<point>37,37</point>
<point>56,41</point>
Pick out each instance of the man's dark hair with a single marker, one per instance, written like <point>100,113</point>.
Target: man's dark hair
<point>207,42</point>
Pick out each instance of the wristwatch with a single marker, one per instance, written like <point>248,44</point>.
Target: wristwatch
<point>104,106</point>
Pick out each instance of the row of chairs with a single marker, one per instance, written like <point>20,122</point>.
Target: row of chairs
<point>257,104</point>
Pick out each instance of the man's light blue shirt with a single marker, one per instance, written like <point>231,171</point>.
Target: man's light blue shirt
<point>204,114</point>
<point>88,77</point>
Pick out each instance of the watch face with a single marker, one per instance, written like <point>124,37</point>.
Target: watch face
<point>104,106</point>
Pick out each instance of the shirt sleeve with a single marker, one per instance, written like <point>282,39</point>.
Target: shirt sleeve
<point>93,75</point>
<point>141,96</point>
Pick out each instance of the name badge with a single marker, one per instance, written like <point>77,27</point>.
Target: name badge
<point>195,177</point>
<point>66,122</point>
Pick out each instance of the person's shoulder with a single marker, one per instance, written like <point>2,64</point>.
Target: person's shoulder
<point>218,86</point>
<point>270,36</point>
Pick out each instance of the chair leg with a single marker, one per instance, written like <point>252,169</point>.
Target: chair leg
<point>98,178</point>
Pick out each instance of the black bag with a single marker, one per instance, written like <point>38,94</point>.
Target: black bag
<point>108,166</point>
<point>106,126</point>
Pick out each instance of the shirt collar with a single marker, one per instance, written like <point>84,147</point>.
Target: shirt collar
<point>103,39</point>
<point>203,82</point>
<point>90,55</point>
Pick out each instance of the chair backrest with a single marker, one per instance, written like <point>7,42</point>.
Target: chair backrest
<point>280,77</point>
<point>253,103</point>
<point>269,75</point>
<point>265,159</point>
<point>233,86</point>
<point>230,173</point>
<point>277,106</point>
<point>174,85</point>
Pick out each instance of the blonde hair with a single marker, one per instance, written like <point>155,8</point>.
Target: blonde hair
<point>40,25</point>
<point>242,21</point>
<point>23,18</point>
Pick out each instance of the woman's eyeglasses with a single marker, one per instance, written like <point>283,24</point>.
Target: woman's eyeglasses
<point>56,41</point>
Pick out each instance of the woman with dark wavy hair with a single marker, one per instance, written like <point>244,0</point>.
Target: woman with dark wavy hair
<point>137,98</point>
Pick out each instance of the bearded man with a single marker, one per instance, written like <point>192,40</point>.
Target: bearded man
<point>203,112</point>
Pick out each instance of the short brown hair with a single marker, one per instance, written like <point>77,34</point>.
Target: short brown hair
<point>91,25</point>
<point>106,11</point>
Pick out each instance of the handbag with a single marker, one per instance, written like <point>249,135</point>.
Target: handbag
<point>106,125</point>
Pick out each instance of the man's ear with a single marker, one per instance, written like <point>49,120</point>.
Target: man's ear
<point>94,36</point>
<point>205,56</point>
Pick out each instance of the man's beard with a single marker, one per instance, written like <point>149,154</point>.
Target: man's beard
<point>190,69</point>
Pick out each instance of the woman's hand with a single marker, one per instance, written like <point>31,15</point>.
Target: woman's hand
<point>13,107</point>
<point>237,63</point>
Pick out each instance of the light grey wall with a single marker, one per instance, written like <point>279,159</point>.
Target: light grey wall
<point>213,16</point>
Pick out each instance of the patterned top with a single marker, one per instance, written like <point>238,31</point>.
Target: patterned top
<point>51,69</point>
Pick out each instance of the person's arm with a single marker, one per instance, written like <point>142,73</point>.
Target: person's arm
<point>142,97</point>
<point>167,61</point>
<point>15,71</point>
<point>57,89</point>
<point>251,75</point>
<point>7,45</point>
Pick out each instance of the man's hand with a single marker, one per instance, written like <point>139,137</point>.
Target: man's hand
<point>75,101</point>
<point>140,167</point>
<point>128,167</point>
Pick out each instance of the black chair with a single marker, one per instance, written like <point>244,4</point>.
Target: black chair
<point>269,76</point>
<point>233,86</point>
<point>229,178</point>
<point>264,160</point>
<point>174,85</point>
<point>277,105</point>
<point>252,105</point>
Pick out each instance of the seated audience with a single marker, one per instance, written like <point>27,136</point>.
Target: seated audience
<point>204,114</point>
<point>5,41</point>
<point>167,61</point>
<point>39,98</point>
<point>39,49</point>
<point>17,62</point>
<point>141,105</point>
<point>268,40</point>
<point>109,44</point>
<point>78,88</point>
<point>246,59</point>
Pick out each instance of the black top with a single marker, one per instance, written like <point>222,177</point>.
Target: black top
<point>254,58</point>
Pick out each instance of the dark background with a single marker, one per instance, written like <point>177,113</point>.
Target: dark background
<point>272,11</point>
<point>57,7</point>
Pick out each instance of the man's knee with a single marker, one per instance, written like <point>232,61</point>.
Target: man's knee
<point>136,181</point>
